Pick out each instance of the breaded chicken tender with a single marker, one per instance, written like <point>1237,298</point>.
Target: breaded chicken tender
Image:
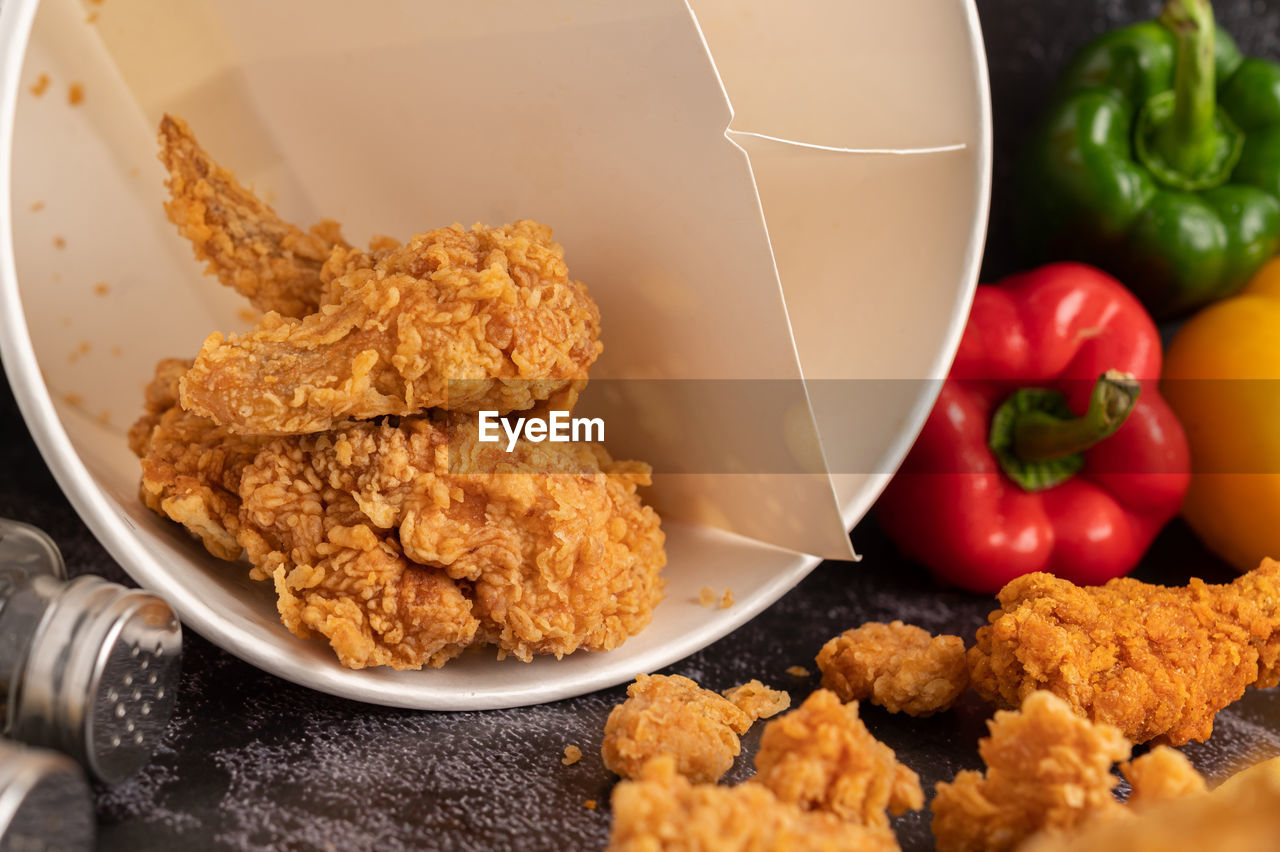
<point>1047,768</point>
<point>403,543</point>
<point>1245,819</point>
<point>757,700</point>
<point>821,756</point>
<point>191,467</point>
<point>274,264</point>
<point>1156,662</point>
<point>897,666</point>
<point>663,812</point>
<point>670,714</point>
<point>464,320</point>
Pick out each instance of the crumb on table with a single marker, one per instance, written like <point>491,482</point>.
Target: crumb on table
<point>37,206</point>
<point>73,399</point>
<point>248,315</point>
<point>572,754</point>
<point>798,671</point>
<point>757,700</point>
<point>726,600</point>
<point>75,93</point>
<point>706,596</point>
<point>59,242</point>
<point>590,804</point>
<point>101,288</point>
<point>41,84</point>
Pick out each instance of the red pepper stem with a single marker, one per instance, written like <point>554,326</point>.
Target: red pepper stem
<point>1188,142</point>
<point>1040,436</point>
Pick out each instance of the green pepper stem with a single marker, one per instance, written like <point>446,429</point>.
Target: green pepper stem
<point>1040,436</point>
<point>1188,142</point>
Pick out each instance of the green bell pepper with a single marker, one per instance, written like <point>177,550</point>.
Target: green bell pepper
<point>1159,160</point>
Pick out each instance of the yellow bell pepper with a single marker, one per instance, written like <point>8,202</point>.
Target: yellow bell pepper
<point>1222,378</point>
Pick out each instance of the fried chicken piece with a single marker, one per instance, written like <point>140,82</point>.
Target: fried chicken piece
<point>757,700</point>
<point>821,756</point>
<point>670,714</point>
<point>1162,773</point>
<point>191,467</point>
<point>897,666</point>
<point>465,320</point>
<point>403,543</point>
<point>663,812</point>
<point>1048,768</point>
<point>1156,662</point>
<point>274,264</point>
<point>1245,820</point>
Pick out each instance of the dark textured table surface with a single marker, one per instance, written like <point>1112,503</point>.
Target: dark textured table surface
<point>253,762</point>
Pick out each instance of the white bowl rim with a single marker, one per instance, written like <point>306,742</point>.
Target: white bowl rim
<point>96,509</point>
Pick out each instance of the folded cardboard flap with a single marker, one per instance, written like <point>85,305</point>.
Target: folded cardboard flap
<point>607,121</point>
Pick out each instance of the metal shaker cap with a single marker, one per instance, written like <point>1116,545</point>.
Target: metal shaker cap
<point>100,675</point>
<point>45,802</point>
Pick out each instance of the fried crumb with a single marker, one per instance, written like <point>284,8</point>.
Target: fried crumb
<point>572,754</point>
<point>84,347</point>
<point>59,242</point>
<point>104,418</point>
<point>798,671</point>
<point>101,288</point>
<point>247,315</point>
<point>706,596</point>
<point>590,804</point>
<point>73,399</point>
<point>40,86</point>
<point>37,206</point>
<point>757,700</point>
<point>673,715</point>
<point>897,666</point>
<point>726,600</point>
<point>75,93</point>
<point>91,18</point>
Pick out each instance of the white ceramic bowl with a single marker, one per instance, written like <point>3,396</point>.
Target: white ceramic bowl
<point>911,74</point>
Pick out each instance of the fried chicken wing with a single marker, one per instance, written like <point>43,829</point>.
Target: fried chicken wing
<point>670,714</point>
<point>1156,662</point>
<point>464,320</point>
<point>402,543</point>
<point>663,812</point>
<point>897,666</point>
<point>1047,768</point>
<point>191,467</point>
<point>274,264</point>
<point>821,756</point>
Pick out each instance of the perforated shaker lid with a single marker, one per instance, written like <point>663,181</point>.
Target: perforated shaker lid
<point>101,677</point>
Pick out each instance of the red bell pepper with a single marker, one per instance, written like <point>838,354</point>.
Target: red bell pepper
<point>1049,448</point>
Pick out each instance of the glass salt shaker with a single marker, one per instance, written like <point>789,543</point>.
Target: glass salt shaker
<point>87,667</point>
